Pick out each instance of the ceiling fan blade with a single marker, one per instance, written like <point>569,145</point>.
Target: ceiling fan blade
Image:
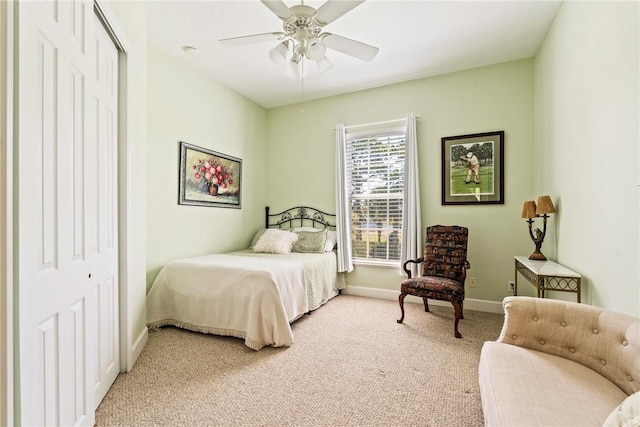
<point>350,47</point>
<point>334,9</point>
<point>279,8</point>
<point>254,38</point>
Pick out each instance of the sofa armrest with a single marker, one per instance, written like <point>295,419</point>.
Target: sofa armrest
<point>603,340</point>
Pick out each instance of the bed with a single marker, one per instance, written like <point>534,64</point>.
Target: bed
<point>248,294</point>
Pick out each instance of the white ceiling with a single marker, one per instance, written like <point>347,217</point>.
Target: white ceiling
<point>416,39</point>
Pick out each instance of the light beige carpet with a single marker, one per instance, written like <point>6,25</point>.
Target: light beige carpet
<point>350,364</point>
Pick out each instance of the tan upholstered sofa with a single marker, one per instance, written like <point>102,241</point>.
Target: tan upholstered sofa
<point>559,363</point>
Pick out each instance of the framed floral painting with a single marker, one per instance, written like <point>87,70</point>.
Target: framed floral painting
<point>208,178</point>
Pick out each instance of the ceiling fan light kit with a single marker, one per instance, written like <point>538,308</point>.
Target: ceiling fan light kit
<point>316,49</point>
<point>295,69</point>
<point>323,64</point>
<point>303,37</point>
<point>279,54</point>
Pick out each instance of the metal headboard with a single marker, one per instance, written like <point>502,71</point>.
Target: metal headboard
<point>300,216</point>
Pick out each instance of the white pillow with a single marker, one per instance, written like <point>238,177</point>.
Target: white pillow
<point>275,241</point>
<point>257,237</point>
<point>332,241</point>
<point>627,414</point>
<point>332,237</point>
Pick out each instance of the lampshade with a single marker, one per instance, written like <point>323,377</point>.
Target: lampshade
<point>545,206</point>
<point>279,54</point>
<point>293,70</point>
<point>316,49</point>
<point>324,64</point>
<point>529,209</point>
<point>296,68</point>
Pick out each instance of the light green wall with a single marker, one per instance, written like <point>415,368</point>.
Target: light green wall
<point>586,139</point>
<point>185,105</point>
<point>581,90</point>
<point>301,153</point>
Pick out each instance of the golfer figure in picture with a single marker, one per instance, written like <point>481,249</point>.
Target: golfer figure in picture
<point>474,168</point>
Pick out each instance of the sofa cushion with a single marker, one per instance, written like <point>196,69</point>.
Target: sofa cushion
<point>523,387</point>
<point>433,287</point>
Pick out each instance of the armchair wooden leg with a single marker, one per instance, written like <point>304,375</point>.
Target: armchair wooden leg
<point>426,304</point>
<point>458,309</point>
<point>401,301</point>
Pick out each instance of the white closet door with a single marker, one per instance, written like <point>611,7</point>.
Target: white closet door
<point>103,181</point>
<point>66,214</point>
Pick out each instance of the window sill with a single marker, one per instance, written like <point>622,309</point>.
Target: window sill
<point>372,263</point>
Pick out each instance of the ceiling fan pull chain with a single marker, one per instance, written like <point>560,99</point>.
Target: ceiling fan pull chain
<point>302,94</point>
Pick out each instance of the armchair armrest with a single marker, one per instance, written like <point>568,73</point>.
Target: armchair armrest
<point>415,261</point>
<point>466,266</point>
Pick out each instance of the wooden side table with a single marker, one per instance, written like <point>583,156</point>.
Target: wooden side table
<point>547,276</point>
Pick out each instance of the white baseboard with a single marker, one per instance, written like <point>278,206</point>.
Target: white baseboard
<point>469,304</point>
<point>137,347</point>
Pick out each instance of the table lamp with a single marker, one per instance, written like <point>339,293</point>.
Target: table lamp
<point>530,211</point>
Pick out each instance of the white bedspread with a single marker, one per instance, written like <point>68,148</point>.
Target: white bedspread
<point>254,298</point>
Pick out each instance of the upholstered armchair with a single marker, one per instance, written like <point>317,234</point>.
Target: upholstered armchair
<point>444,270</point>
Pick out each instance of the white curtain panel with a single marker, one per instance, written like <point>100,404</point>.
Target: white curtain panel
<point>343,213</point>
<point>411,224</point>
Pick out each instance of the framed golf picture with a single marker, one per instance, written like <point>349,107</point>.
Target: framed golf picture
<point>473,169</point>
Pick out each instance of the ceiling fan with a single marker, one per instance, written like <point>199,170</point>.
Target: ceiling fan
<point>303,36</point>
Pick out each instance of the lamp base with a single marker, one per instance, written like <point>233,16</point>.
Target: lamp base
<point>537,256</point>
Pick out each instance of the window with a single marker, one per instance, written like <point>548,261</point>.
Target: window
<point>375,169</point>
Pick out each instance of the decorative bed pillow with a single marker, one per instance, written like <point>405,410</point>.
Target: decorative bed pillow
<point>332,241</point>
<point>257,237</point>
<point>310,241</point>
<point>275,242</point>
<point>627,414</point>
<point>332,237</point>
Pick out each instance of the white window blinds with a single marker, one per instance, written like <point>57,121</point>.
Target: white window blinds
<point>375,169</point>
